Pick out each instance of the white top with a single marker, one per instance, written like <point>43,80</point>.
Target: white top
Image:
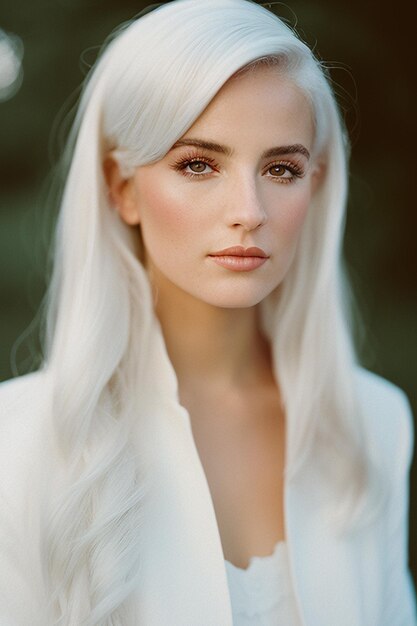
<point>261,594</point>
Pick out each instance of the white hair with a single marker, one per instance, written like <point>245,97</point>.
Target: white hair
<point>152,80</point>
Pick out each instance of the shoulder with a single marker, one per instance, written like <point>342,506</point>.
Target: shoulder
<point>377,392</point>
<point>24,479</point>
<point>387,413</point>
<point>16,390</point>
<point>22,401</point>
<point>24,431</point>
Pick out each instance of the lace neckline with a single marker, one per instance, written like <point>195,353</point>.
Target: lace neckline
<point>257,561</point>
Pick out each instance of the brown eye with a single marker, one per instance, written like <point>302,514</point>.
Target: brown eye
<point>197,166</point>
<point>278,170</point>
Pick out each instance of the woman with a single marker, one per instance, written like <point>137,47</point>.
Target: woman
<point>200,426</point>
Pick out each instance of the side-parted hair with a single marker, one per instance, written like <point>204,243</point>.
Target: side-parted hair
<point>152,80</point>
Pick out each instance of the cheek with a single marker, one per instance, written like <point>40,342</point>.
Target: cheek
<point>165,216</point>
<point>291,214</point>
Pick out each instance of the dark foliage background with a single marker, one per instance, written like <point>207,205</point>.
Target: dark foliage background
<point>368,48</point>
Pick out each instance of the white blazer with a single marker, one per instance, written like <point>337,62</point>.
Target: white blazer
<point>358,582</point>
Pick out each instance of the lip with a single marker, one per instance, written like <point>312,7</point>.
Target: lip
<point>238,262</point>
<point>240,251</point>
<point>240,259</point>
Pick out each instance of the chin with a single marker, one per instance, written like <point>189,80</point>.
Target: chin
<point>237,299</point>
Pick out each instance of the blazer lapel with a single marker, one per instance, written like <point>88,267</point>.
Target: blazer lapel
<point>183,578</point>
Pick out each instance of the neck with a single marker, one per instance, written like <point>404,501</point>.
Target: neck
<point>219,347</point>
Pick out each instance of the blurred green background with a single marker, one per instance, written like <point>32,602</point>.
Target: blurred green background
<point>369,52</point>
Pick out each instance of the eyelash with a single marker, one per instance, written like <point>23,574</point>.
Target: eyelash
<point>294,169</point>
<point>183,163</point>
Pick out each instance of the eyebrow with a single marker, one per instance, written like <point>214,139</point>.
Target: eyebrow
<point>296,148</point>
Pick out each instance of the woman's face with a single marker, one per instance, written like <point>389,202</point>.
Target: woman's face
<point>241,177</point>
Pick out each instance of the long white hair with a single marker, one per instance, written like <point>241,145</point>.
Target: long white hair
<point>152,80</point>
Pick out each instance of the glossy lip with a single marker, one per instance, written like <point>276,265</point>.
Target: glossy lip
<point>240,251</point>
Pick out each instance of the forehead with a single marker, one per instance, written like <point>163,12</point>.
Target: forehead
<point>258,106</point>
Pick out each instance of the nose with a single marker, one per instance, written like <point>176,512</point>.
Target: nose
<point>245,206</point>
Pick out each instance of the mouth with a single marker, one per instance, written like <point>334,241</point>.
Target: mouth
<point>240,251</point>
<point>240,259</point>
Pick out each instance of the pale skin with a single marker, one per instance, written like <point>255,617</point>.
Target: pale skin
<point>208,313</point>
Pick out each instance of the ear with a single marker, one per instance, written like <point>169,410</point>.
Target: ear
<point>317,174</point>
<point>122,191</point>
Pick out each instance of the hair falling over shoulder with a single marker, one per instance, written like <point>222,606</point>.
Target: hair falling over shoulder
<point>150,83</point>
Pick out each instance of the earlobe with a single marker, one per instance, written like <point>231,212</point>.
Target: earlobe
<point>122,192</point>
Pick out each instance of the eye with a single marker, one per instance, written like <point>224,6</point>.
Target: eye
<point>198,167</point>
<point>284,172</point>
<point>279,170</point>
<point>195,166</point>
